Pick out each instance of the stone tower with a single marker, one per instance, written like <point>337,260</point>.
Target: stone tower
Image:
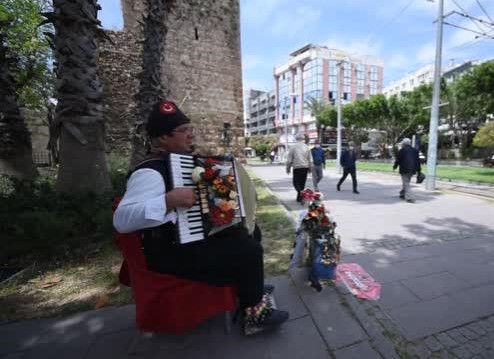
<point>201,69</point>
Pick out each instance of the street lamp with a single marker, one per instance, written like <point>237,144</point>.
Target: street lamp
<point>338,109</point>
<point>291,96</point>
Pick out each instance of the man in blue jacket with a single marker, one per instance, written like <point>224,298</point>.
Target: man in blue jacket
<point>319,163</point>
<point>408,161</point>
<point>347,161</point>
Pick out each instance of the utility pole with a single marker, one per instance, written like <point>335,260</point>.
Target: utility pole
<point>430,183</point>
<point>338,109</point>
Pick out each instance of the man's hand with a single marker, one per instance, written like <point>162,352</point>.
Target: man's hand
<point>180,197</point>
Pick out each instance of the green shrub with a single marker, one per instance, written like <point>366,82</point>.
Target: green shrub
<point>39,224</point>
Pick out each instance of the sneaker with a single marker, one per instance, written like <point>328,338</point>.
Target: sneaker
<point>357,192</point>
<point>402,196</point>
<point>410,200</point>
<point>338,187</point>
<point>271,321</point>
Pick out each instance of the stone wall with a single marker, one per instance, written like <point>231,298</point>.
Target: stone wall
<point>37,124</point>
<point>119,65</point>
<point>201,67</point>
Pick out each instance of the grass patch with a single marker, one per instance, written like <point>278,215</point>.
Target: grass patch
<point>71,242</point>
<point>277,229</point>
<point>444,172</point>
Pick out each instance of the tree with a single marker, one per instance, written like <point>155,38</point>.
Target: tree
<point>485,136</point>
<point>150,88</point>
<point>15,140</point>
<point>33,76</point>
<point>79,118</point>
<point>474,99</point>
<point>324,113</point>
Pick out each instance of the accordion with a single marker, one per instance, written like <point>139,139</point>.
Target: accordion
<point>217,180</point>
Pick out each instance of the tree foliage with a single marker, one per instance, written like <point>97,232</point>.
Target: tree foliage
<point>323,111</point>
<point>485,136</point>
<point>28,44</point>
<point>263,144</point>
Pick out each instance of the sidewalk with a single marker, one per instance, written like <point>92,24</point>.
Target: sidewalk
<point>433,258</point>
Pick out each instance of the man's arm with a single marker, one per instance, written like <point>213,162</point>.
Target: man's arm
<point>397,160</point>
<point>145,204</point>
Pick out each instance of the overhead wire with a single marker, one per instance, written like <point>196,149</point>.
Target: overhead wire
<point>485,12</point>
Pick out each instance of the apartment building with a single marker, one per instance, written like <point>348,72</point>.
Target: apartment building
<point>425,75</point>
<point>261,112</point>
<point>315,72</point>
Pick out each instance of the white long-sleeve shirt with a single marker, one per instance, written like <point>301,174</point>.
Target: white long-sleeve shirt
<point>143,205</point>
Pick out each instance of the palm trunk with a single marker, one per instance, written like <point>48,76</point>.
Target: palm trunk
<point>15,140</point>
<point>79,113</point>
<point>150,88</point>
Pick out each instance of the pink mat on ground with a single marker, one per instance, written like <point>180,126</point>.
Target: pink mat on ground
<point>358,281</point>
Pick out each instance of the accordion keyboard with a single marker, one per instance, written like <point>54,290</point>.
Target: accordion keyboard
<point>189,220</point>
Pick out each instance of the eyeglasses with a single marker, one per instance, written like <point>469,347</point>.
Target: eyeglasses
<point>189,129</point>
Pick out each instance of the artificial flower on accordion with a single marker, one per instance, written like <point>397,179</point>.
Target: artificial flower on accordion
<point>320,227</point>
<point>220,184</point>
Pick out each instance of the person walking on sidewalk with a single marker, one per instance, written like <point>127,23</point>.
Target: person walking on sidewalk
<point>300,158</point>
<point>408,161</point>
<point>319,163</point>
<point>347,161</point>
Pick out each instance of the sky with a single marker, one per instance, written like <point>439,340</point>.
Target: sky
<point>402,33</point>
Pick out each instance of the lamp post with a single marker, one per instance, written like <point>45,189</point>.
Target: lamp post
<point>291,96</point>
<point>338,109</point>
<point>430,181</point>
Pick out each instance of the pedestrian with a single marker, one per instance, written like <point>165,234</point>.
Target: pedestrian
<point>231,257</point>
<point>319,163</point>
<point>300,159</point>
<point>347,161</point>
<point>409,162</point>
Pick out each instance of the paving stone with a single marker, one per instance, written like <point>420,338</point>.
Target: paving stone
<point>395,295</point>
<point>336,324</point>
<point>484,323</point>
<point>419,350</point>
<point>286,296</point>
<point>425,318</point>
<point>477,328</point>
<point>456,335</point>
<point>73,347</point>
<point>468,333</point>
<point>111,345</point>
<point>462,353</point>
<point>17,355</point>
<point>474,346</point>
<point>487,342</point>
<point>446,340</point>
<point>360,350</point>
<point>433,344</point>
<point>434,285</point>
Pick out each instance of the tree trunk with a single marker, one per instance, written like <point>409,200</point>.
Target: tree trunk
<point>150,88</point>
<point>15,140</point>
<point>79,113</point>
<point>82,167</point>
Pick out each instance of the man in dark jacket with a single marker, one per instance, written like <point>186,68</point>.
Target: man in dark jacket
<point>408,161</point>
<point>319,163</point>
<point>347,161</point>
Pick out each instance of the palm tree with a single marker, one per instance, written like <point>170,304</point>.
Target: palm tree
<point>150,88</point>
<point>323,111</point>
<point>15,140</point>
<point>79,121</point>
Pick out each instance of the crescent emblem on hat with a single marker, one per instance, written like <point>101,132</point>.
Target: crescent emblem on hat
<point>168,108</point>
